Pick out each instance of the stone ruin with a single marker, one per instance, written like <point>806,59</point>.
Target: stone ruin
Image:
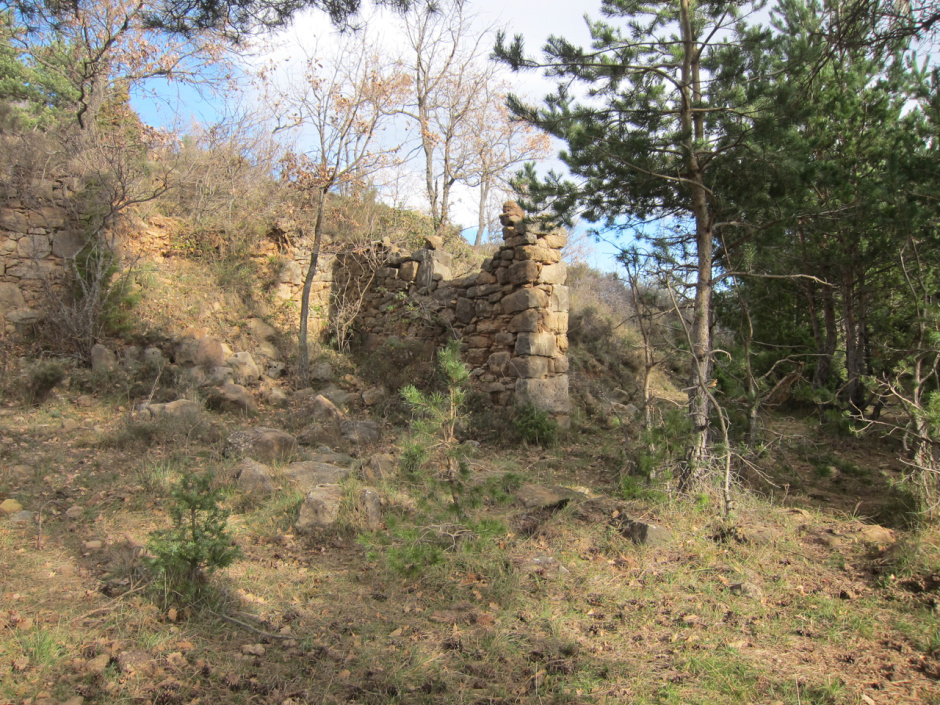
<point>511,317</point>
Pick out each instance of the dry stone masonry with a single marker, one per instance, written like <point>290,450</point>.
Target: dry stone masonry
<point>511,317</point>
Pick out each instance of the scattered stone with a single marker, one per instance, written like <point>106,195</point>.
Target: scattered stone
<point>316,434</point>
<point>755,535</point>
<point>373,395</point>
<point>134,661</point>
<point>75,512</point>
<point>872,533</point>
<point>325,455</point>
<point>322,409</point>
<point>69,425</point>
<point>253,650</point>
<point>533,496</point>
<point>275,396</point>
<point>746,589</point>
<point>84,401</point>
<point>360,432</point>
<point>233,398</point>
<point>369,509</point>
<point>434,242</point>
<point>380,466</point>
<point>98,664</point>
<point>543,566</point>
<point>93,545</point>
<point>263,444</point>
<point>22,517</point>
<point>102,359</point>
<point>646,534</point>
<point>339,397</point>
<point>320,508</point>
<point>254,477</point>
<point>209,352</point>
<point>260,329</point>
<point>244,368</point>
<point>308,474</point>
<point>178,408</point>
<point>321,372</point>
<point>10,506</point>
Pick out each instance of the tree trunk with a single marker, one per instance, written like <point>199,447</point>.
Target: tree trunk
<point>481,216</point>
<point>303,362</point>
<point>696,467</point>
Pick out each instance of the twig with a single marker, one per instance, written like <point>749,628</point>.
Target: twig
<point>245,625</point>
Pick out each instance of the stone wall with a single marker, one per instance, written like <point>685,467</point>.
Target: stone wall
<point>511,317</point>
<point>34,241</point>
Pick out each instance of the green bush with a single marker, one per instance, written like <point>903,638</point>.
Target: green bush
<point>198,542</point>
<point>535,426</point>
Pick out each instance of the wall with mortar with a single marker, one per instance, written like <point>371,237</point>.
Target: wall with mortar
<point>511,317</point>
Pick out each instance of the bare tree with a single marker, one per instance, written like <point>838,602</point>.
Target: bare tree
<point>449,76</point>
<point>341,107</point>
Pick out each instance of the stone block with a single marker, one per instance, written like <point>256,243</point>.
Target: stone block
<point>559,298</point>
<point>524,299</point>
<point>550,395</point>
<point>542,344</point>
<point>560,365</point>
<point>408,271</point>
<point>561,342</point>
<point>526,272</point>
<point>538,254</point>
<point>531,367</point>
<point>553,273</point>
<point>484,278</point>
<point>526,321</point>
<point>476,292</point>
<point>497,361</point>
<point>67,243</point>
<point>554,241</point>
<point>557,322</point>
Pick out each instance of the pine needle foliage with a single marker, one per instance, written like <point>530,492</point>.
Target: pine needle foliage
<point>198,542</point>
<point>436,415</point>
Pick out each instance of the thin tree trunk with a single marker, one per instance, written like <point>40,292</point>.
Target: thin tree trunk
<point>303,361</point>
<point>481,216</point>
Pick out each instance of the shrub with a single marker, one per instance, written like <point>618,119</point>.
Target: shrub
<point>41,380</point>
<point>535,426</point>
<point>198,542</point>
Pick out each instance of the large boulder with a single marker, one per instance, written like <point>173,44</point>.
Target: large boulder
<point>254,478</point>
<point>244,369</point>
<point>267,445</point>
<point>102,359</point>
<point>360,432</point>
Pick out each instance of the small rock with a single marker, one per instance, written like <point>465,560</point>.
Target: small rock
<point>94,545</point>
<point>84,401</point>
<point>542,565</point>
<point>98,664</point>
<point>76,700</point>
<point>69,425</point>
<point>102,359</point>
<point>380,466</point>
<point>232,397</point>
<point>316,434</point>
<point>275,396</point>
<point>369,508</point>
<point>245,370</point>
<point>74,512</point>
<point>263,444</point>
<point>533,496</point>
<point>434,242</point>
<point>10,506</point>
<point>22,517</point>
<point>336,395</point>
<point>646,534</point>
<point>309,474</point>
<point>360,432</point>
<point>875,534</point>
<point>321,372</point>
<point>373,396</point>
<point>260,329</point>
<point>322,409</point>
<point>254,478</point>
<point>253,650</point>
<point>320,508</point>
<point>746,589</point>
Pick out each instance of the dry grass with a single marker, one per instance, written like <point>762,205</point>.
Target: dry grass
<point>376,618</point>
